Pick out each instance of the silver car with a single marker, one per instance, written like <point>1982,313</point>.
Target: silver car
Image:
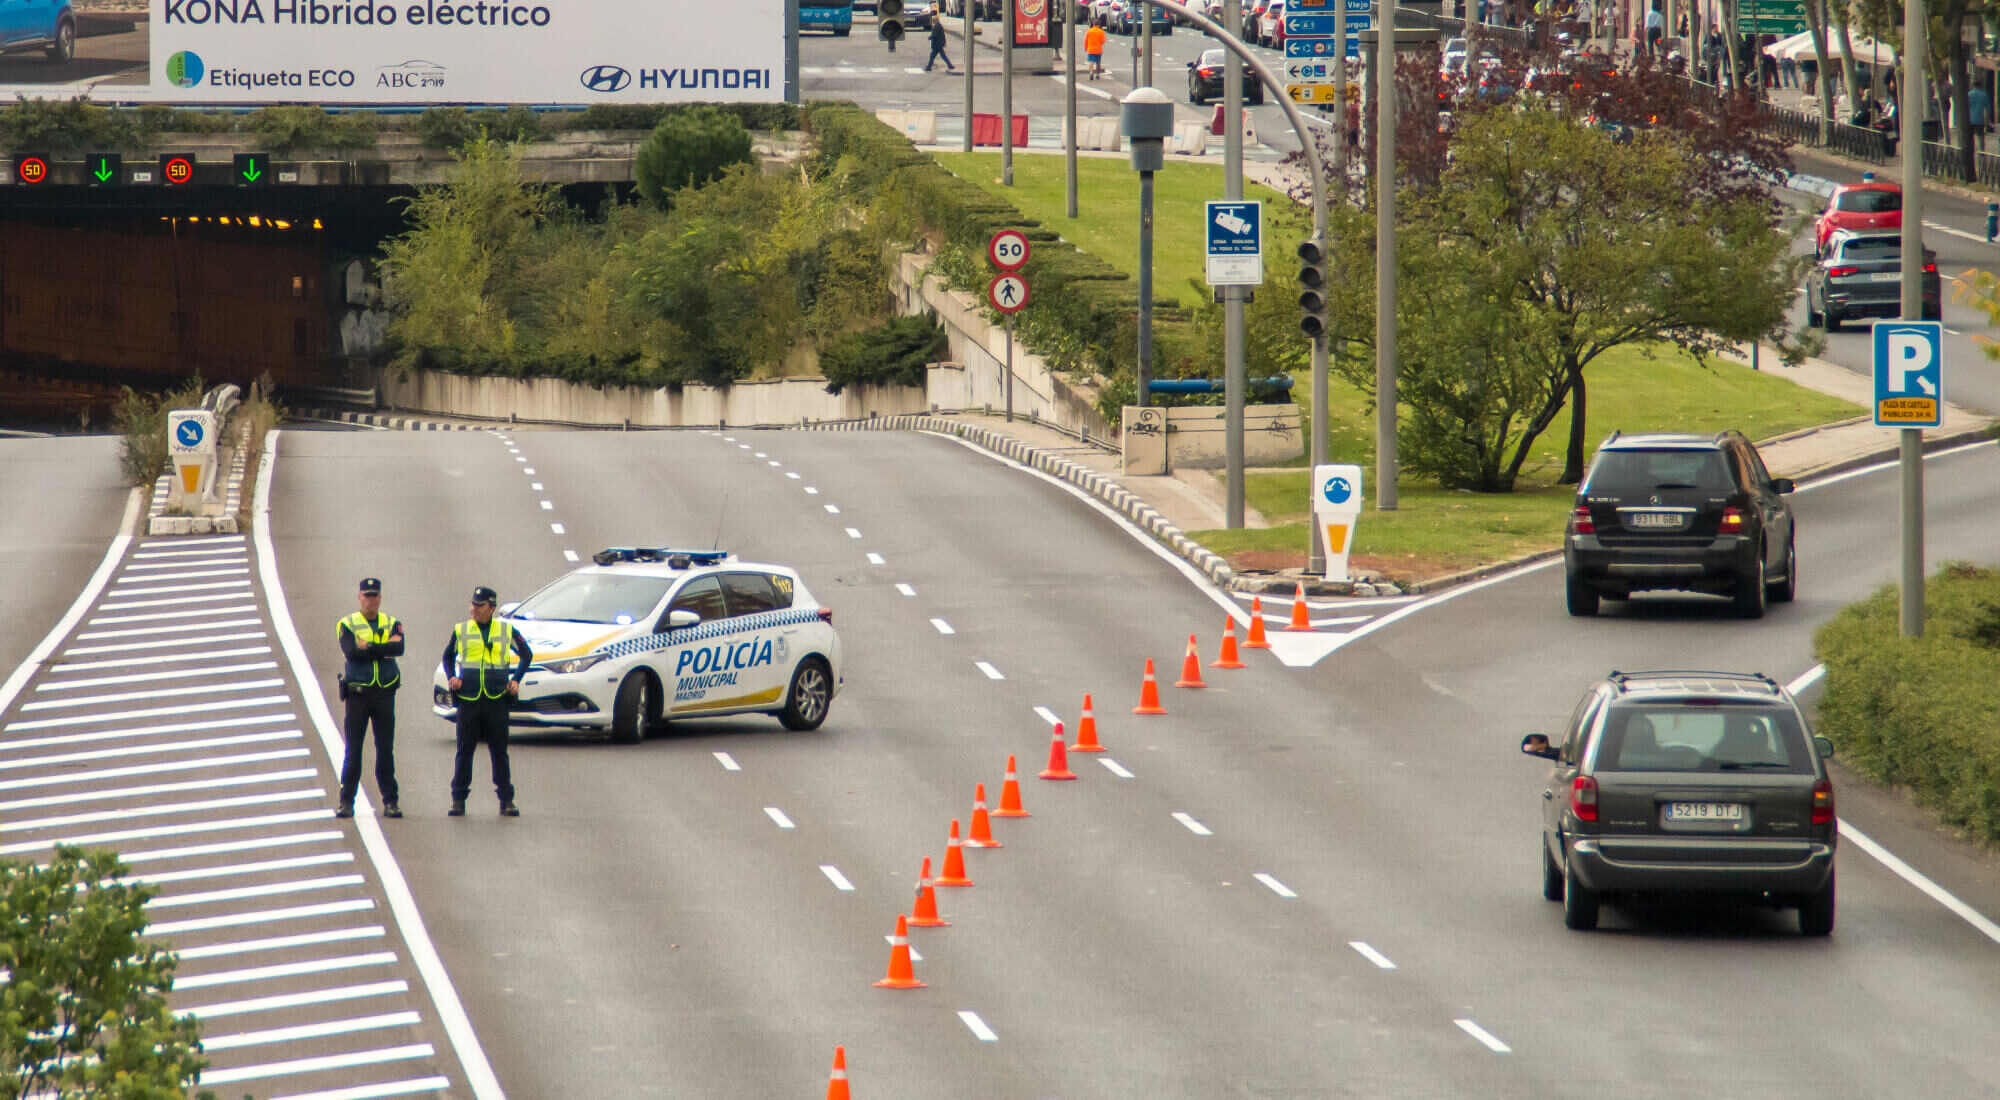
<point>1861,275</point>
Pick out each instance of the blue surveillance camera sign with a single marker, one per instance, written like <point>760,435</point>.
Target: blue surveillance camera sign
<point>1909,374</point>
<point>1235,241</point>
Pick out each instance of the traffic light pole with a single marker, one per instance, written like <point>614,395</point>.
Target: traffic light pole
<point>971,62</point>
<point>1234,372</point>
<point>1006,93</point>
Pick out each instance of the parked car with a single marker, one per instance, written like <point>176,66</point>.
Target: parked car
<point>1861,275</point>
<point>1686,784</point>
<point>1271,26</point>
<point>1129,16</point>
<point>1871,205</point>
<point>1694,513</point>
<point>46,24</point>
<point>1205,81</point>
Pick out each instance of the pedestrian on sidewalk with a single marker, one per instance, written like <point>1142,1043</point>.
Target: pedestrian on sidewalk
<point>1788,71</point>
<point>1979,111</point>
<point>1093,47</point>
<point>1656,28</point>
<point>370,642</point>
<point>937,45</point>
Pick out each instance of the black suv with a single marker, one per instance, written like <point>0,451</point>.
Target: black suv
<point>1680,783</point>
<point>1689,512</point>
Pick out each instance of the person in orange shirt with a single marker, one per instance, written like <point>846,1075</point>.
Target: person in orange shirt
<point>1093,48</point>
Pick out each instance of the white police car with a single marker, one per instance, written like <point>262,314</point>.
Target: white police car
<point>652,633</point>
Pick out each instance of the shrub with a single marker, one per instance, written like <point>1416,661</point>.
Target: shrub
<point>288,129</point>
<point>688,149</point>
<point>65,126</point>
<point>454,128</point>
<point>141,419</point>
<point>893,353</point>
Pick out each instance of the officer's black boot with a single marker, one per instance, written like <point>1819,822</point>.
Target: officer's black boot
<point>345,809</point>
<point>508,809</point>
<point>457,808</point>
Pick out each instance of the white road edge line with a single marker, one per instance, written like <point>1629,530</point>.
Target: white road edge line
<point>1979,921</point>
<point>1485,1037</point>
<point>1098,92</point>
<point>44,649</point>
<point>978,1026</point>
<point>402,904</point>
<point>1372,955</point>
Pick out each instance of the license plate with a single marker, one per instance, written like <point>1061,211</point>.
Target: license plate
<point>1654,519</point>
<point>1704,811</point>
<point>1884,276</point>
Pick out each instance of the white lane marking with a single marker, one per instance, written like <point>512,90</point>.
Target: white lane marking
<point>793,474</point>
<point>1886,464</point>
<point>259,916</point>
<point>163,659</point>
<point>761,454</point>
<point>743,446</point>
<point>160,809</point>
<point>238,571</point>
<point>811,492</point>
<point>1319,605</point>
<point>165,643</point>
<point>261,866</point>
<point>143,731</point>
<point>280,943</point>
<point>535,486</point>
<point>18,679</point>
<point>1372,955</point>
<point>153,677</point>
<point>557,528</point>
<point>774,463</point>
<point>1954,331</point>
<point>548,506</point>
<point>273,889</point>
<point>155,631</point>
<point>1806,679</point>
<point>972,1021</point>
<point>528,470</point>
<point>168,830</point>
<point>1114,767</point>
<point>991,672</point>
<point>128,696</point>
<point>464,1041</point>
<point>1484,1036</point>
<point>204,784</point>
<point>876,559</point>
<point>193,850</point>
<point>315,1065</point>
<point>728,762</point>
<point>906,590</point>
<point>1978,237</point>
<point>122,591</point>
<point>130,604</point>
<point>217,540</point>
<point>942,626</point>
<point>1277,887</point>
<point>1047,715</point>
<point>306,1031</point>
<point>283,970</point>
<point>148,555</point>
<point>833,509</point>
<point>1098,92</point>
<point>853,534</point>
<point>1193,826</point>
<point>778,817</point>
<point>519,458</point>
<point>150,712</point>
<point>177,616</point>
<point>569,555</point>
<point>201,764</point>
<point>834,876</point>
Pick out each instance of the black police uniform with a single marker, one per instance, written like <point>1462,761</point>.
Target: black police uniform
<point>483,705</point>
<point>368,685</point>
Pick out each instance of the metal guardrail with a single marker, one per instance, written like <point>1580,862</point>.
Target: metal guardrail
<point>1945,161</point>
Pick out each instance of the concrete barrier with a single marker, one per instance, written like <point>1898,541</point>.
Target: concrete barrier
<point>919,126</point>
<point>1190,138</point>
<point>1096,133</point>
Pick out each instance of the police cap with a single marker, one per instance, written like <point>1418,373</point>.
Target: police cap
<point>371,586</point>
<point>483,594</point>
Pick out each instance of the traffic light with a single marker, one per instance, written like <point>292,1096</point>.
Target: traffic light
<point>889,22</point>
<point>1312,288</point>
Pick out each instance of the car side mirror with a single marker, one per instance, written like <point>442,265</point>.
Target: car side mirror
<point>1824,746</point>
<point>680,617</point>
<point>507,608</point>
<point>1190,64</point>
<point>1537,744</point>
<point>1782,485</point>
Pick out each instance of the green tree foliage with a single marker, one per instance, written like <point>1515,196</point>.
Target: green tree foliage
<point>84,1013</point>
<point>689,149</point>
<point>292,128</point>
<point>1546,244</point>
<point>456,127</point>
<point>893,353</point>
<point>66,126</point>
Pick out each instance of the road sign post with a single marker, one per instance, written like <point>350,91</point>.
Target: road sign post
<point>1008,292</point>
<point>1235,243</point>
<point>1909,395</point>
<point>191,446</point>
<point>1336,508</point>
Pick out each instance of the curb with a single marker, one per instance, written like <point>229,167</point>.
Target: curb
<point>397,423</point>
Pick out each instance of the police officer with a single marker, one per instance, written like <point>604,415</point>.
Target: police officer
<point>484,662</point>
<point>370,641</point>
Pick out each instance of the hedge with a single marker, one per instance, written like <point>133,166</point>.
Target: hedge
<point>1922,713</point>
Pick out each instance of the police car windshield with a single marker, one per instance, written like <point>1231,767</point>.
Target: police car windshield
<point>595,598</point>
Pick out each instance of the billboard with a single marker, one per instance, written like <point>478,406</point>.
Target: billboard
<point>1031,22</point>
<point>393,52</point>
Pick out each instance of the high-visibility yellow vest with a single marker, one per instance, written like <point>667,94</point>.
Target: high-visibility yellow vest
<point>381,672</point>
<point>483,663</point>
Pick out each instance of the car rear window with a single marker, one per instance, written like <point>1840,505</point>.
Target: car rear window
<point>1656,736</point>
<point>1630,470</point>
<point>1869,202</point>
<point>1871,248</point>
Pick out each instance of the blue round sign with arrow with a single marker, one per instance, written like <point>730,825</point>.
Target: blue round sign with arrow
<point>1337,490</point>
<point>188,433</point>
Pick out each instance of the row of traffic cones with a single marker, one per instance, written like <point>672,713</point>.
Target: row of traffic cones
<point>1230,657</point>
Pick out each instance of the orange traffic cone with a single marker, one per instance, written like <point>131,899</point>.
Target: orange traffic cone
<point>954,862</point>
<point>1229,658</point>
<point>1301,620</point>
<point>1086,730</point>
<point>1058,757</point>
<point>900,975</point>
<point>836,1082</point>
<point>925,914</point>
<point>1149,694</point>
<point>982,830</point>
<point>1190,668</point>
<point>1010,794</point>
<point>1256,639</point>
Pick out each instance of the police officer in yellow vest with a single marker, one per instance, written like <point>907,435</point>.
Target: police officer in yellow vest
<point>370,641</point>
<point>483,665</point>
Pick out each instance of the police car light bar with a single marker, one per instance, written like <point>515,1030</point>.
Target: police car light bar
<point>679,559</point>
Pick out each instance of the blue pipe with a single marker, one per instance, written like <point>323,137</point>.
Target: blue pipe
<point>1211,385</point>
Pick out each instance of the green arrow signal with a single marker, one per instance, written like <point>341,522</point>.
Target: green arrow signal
<point>103,170</point>
<point>251,172</point>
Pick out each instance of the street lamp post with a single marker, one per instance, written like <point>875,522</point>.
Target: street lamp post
<point>1146,117</point>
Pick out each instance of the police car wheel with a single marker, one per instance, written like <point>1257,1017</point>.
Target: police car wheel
<point>637,707</point>
<point>810,696</point>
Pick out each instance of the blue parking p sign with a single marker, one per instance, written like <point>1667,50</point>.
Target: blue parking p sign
<point>1909,374</point>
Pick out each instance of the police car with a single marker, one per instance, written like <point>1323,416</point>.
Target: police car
<point>652,633</point>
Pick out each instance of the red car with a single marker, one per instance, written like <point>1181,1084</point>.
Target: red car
<point>1870,206</point>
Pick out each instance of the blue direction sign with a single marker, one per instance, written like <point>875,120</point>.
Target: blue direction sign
<point>1365,6</point>
<point>1322,47</point>
<point>189,432</point>
<point>1909,374</point>
<point>1235,235</point>
<point>1312,24</point>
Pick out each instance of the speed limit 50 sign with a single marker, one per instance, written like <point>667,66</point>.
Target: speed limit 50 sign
<point>1008,249</point>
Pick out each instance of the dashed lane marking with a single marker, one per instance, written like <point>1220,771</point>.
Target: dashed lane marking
<point>778,817</point>
<point>1047,715</point>
<point>906,590</point>
<point>1372,955</point>
<point>1277,887</point>
<point>853,534</point>
<point>834,876</point>
<point>1193,826</point>
<point>876,559</point>
<point>978,1026</point>
<point>991,672</point>
<point>833,509</point>
<point>728,762</point>
<point>1485,1037</point>
<point>1114,767</point>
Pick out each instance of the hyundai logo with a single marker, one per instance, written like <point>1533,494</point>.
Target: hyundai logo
<point>605,78</point>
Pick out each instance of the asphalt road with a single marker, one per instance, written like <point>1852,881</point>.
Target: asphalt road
<point>118,57</point>
<point>47,552</point>
<point>1214,925</point>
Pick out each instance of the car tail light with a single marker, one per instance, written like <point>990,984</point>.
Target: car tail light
<point>1732,519</point>
<point>1580,521</point>
<point>1822,810</point>
<point>1583,799</point>
<point>1843,271</point>
<point>1929,268</point>
<point>1207,73</point>
<point>826,614</point>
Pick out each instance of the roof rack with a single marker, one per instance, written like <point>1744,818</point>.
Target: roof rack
<point>1621,678</point>
<point>677,559</point>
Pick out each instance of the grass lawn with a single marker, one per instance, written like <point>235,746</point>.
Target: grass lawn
<point>1107,223</point>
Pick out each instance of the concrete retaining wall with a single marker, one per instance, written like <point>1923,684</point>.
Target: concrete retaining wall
<point>784,401</point>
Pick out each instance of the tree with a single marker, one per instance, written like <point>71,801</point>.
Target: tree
<point>688,149</point>
<point>83,1013</point>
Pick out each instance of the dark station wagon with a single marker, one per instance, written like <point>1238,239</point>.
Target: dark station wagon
<point>1677,784</point>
